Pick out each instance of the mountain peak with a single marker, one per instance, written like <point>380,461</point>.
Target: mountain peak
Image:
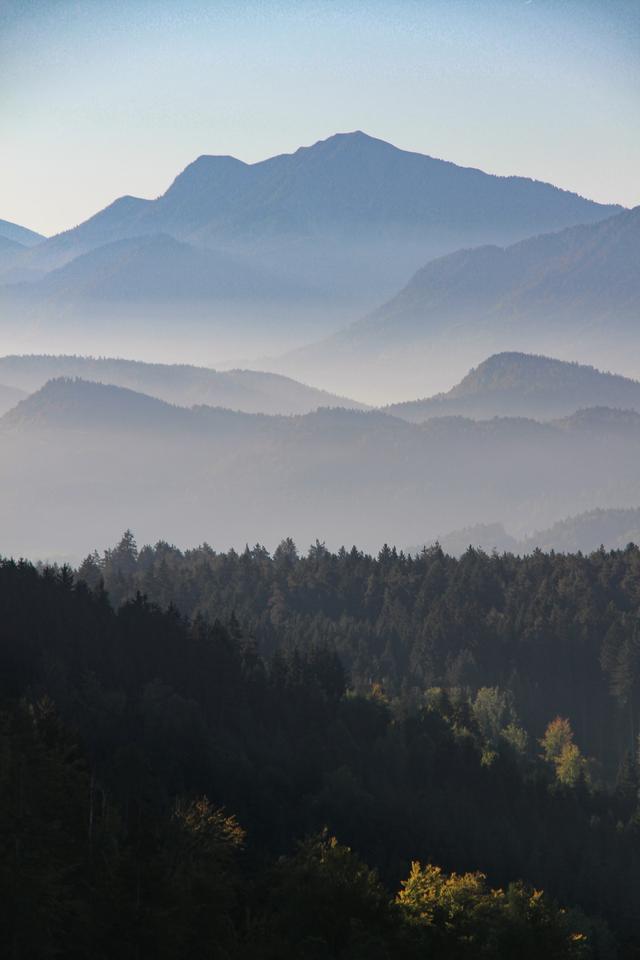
<point>349,137</point>
<point>534,373</point>
<point>511,383</point>
<point>71,402</point>
<point>351,216</point>
<point>353,141</point>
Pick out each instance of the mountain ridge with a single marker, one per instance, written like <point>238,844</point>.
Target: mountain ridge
<point>20,234</point>
<point>70,393</point>
<point>562,293</point>
<point>249,391</point>
<point>524,384</point>
<point>335,190</point>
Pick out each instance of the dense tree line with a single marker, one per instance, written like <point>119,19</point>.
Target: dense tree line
<point>167,789</point>
<point>559,633</point>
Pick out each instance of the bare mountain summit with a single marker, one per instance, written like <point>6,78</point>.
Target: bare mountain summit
<point>349,216</point>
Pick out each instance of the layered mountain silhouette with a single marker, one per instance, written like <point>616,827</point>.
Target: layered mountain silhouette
<point>574,291</point>
<point>349,217</point>
<point>15,242</point>
<point>10,253</point>
<point>106,454</point>
<point>72,404</point>
<point>250,391</point>
<point>585,532</point>
<point>613,529</point>
<point>580,276</point>
<point>525,385</point>
<point>21,235</point>
<point>153,269</point>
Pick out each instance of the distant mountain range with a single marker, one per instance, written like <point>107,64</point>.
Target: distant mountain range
<point>340,224</point>
<point>504,385</point>
<point>155,270</point>
<point>250,391</point>
<point>572,292</point>
<point>525,385</point>
<point>346,187</point>
<point>105,455</point>
<point>586,532</point>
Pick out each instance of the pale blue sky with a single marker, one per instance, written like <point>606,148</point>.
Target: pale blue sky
<point>104,97</point>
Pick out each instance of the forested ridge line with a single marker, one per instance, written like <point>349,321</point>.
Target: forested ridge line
<point>558,633</point>
<point>117,721</point>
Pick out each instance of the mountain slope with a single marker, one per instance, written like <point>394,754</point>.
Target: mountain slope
<point>71,404</point>
<point>575,294</point>
<point>580,275</point>
<point>613,529</point>
<point>22,235</point>
<point>66,406</point>
<point>250,391</point>
<point>9,396</point>
<point>152,268</point>
<point>526,385</point>
<point>10,253</point>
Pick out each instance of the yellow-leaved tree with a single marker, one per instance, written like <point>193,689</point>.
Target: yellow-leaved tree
<point>559,749</point>
<point>459,916</point>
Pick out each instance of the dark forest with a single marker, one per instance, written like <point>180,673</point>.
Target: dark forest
<point>330,755</point>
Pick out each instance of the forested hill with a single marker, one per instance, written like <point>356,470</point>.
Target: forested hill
<point>251,391</point>
<point>560,634</point>
<point>165,787</point>
<point>525,385</point>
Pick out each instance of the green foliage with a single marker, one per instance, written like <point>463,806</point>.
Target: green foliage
<point>495,717</point>
<point>324,902</point>
<point>203,872</point>
<point>119,856</point>
<point>557,634</point>
<point>44,834</point>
